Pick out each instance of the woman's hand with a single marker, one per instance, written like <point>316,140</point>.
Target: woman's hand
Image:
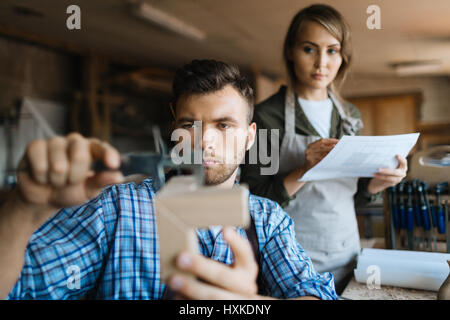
<point>219,281</point>
<point>386,177</point>
<point>317,150</point>
<point>314,153</point>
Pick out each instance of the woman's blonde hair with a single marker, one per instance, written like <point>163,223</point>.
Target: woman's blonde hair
<point>335,24</point>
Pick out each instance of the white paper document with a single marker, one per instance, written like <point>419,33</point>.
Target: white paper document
<point>401,268</point>
<point>361,156</point>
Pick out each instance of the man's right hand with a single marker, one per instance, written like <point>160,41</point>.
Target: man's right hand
<point>52,174</point>
<point>57,173</point>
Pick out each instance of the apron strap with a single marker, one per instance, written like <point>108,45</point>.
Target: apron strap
<point>350,125</point>
<point>289,111</point>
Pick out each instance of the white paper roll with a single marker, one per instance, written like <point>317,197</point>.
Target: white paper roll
<point>401,268</point>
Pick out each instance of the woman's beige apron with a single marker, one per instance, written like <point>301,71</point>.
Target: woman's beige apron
<point>323,211</point>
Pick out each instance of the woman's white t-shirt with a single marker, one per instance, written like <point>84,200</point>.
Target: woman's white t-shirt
<point>319,114</point>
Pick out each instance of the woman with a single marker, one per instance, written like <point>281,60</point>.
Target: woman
<point>311,118</point>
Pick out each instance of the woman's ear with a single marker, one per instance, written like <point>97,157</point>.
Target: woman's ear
<point>289,54</point>
<point>172,111</point>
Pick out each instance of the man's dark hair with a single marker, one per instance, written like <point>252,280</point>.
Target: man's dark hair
<point>208,76</point>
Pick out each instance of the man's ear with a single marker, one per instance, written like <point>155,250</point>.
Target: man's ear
<point>251,135</point>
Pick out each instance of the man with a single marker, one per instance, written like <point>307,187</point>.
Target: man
<point>111,242</point>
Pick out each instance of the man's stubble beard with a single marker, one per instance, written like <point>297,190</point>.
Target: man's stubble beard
<point>222,172</point>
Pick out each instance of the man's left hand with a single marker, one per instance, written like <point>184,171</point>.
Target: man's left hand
<point>219,281</point>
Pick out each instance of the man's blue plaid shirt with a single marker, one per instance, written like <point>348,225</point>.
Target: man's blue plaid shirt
<point>113,241</point>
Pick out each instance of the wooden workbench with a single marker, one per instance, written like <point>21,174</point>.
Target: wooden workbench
<point>359,291</point>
